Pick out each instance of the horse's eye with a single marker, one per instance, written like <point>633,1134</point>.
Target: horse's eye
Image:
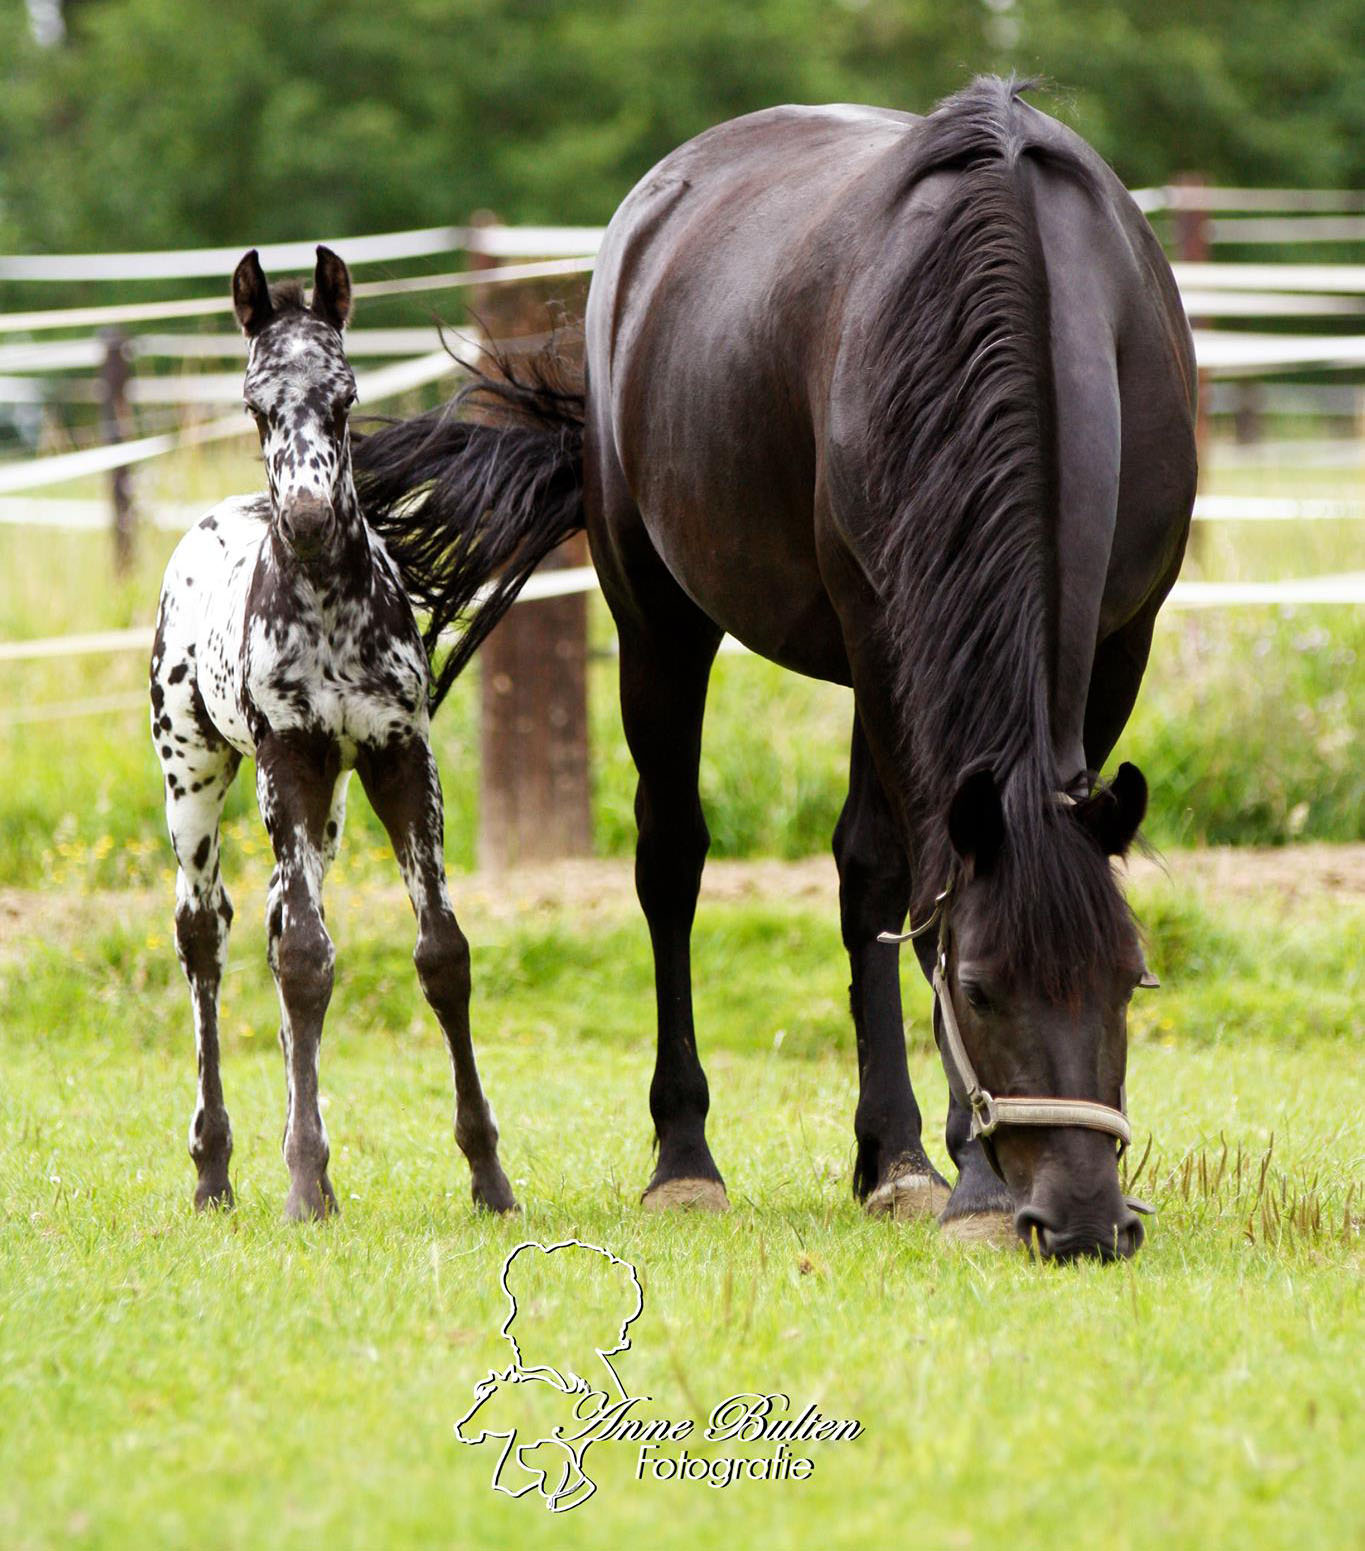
<point>978,998</point>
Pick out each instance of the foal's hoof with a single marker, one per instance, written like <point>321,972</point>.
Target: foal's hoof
<point>311,1203</point>
<point>692,1195</point>
<point>995,1230</point>
<point>907,1196</point>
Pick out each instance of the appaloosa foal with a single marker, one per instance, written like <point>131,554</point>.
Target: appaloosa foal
<point>284,633</point>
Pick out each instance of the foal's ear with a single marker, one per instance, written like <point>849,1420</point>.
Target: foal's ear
<point>332,290</point>
<point>976,820</point>
<point>251,295</point>
<point>1112,813</point>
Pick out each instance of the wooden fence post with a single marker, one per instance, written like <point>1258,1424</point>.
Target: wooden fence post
<point>115,423</point>
<point>535,791</point>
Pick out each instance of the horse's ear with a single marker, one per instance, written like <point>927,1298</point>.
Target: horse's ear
<point>976,820</point>
<point>332,290</point>
<point>251,295</point>
<point>1112,813</point>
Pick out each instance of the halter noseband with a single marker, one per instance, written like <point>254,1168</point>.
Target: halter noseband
<point>988,1112</point>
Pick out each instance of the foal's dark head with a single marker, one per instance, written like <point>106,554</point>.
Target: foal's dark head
<point>1041,958</point>
<point>299,390</point>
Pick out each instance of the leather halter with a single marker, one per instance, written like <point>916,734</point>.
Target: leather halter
<point>988,1112</point>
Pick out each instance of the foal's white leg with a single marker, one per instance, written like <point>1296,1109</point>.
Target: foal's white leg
<point>198,767</point>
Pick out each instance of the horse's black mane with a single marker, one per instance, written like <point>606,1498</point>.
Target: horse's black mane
<point>963,465</point>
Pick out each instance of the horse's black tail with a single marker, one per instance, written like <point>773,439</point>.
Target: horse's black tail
<point>471,497</point>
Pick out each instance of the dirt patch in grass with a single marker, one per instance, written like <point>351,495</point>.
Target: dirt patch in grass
<point>597,889</point>
<point>1294,872</point>
<point>1291,871</point>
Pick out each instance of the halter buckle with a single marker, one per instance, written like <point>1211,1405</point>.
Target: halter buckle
<point>918,931</point>
<point>985,1119</point>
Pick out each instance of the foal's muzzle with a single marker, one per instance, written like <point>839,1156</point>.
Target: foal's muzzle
<point>305,524</point>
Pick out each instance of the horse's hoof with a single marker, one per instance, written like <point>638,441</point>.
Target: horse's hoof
<point>494,1194</point>
<point>907,1196</point>
<point>994,1229</point>
<point>693,1195</point>
<point>214,1197</point>
<point>311,1205</point>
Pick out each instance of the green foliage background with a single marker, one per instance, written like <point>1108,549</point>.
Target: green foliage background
<point>170,123</point>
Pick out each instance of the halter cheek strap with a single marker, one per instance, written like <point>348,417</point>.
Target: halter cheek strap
<point>988,1112</point>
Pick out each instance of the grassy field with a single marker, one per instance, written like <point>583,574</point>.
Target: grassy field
<point>228,1381</point>
<point>224,1382</point>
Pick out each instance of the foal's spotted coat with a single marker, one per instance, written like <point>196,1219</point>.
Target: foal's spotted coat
<point>284,633</point>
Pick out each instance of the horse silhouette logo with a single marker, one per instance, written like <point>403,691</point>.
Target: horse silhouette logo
<point>561,1393</point>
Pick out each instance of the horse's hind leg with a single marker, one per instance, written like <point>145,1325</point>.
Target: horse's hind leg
<point>404,787</point>
<point>892,1173</point>
<point>665,666</point>
<point>198,768</point>
<point>295,783</point>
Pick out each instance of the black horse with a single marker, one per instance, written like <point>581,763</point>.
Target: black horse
<point>903,403</point>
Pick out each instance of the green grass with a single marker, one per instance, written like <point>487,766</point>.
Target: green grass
<point>228,1381</point>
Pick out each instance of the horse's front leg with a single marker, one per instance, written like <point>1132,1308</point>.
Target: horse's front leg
<point>892,1173</point>
<point>404,787</point>
<point>203,915</point>
<point>295,781</point>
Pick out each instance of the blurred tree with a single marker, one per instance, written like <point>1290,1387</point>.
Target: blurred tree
<point>165,124</point>
<point>1245,91</point>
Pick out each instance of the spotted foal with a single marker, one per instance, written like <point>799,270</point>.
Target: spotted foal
<point>284,633</point>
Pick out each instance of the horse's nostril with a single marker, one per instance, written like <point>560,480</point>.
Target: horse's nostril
<point>1119,1242</point>
<point>304,525</point>
<point>1033,1227</point>
<point>1130,1235</point>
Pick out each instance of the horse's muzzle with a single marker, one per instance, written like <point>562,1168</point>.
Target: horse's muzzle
<point>1118,1240</point>
<point>306,525</point>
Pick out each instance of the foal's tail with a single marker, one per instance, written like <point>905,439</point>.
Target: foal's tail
<point>471,497</point>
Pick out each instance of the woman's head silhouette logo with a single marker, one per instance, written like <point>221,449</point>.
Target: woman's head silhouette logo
<point>570,1306</point>
<point>569,1303</point>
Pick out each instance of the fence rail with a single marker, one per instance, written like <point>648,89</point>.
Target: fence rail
<point>502,242</point>
<point>1200,197</point>
<point>59,468</point>
<point>213,306</point>
<point>1347,587</point>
